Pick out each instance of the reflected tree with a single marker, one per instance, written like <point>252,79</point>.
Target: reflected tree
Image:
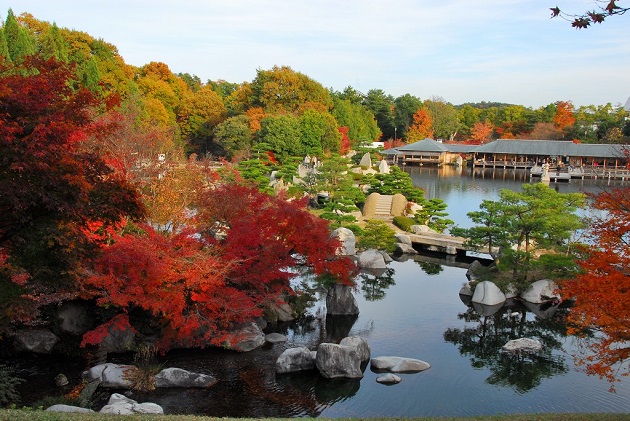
<point>374,286</point>
<point>430,268</point>
<point>484,336</point>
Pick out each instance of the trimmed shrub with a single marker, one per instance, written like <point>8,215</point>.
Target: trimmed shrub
<point>404,222</point>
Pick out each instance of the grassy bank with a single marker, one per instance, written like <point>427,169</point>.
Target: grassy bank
<point>23,415</point>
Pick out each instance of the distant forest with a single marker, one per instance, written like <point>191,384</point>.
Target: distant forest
<point>284,111</point>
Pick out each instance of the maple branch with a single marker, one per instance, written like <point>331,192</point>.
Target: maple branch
<point>605,9</point>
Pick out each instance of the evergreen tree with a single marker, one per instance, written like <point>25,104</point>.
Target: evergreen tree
<point>24,46</point>
<point>53,45</point>
<point>4,50</point>
<point>11,31</point>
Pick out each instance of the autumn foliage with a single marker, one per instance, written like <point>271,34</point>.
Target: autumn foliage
<point>422,126</point>
<point>196,284</point>
<point>602,291</point>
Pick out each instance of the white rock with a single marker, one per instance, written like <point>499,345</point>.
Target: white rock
<point>274,338</point>
<point>110,375</point>
<point>488,293</point>
<point>67,408</point>
<point>540,291</point>
<point>371,259</point>
<point>177,377</point>
<point>295,359</point>
<point>122,405</point>
<point>399,364</point>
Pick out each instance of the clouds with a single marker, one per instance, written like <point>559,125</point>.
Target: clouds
<point>462,50</point>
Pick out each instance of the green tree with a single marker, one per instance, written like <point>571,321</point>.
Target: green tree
<point>234,136</point>
<point>405,107</point>
<point>382,106</point>
<point>283,135</point>
<point>445,121</point>
<point>52,45</point>
<point>538,220</point>
<point>434,215</point>
<point>319,133</point>
<point>4,49</point>
<point>361,123</point>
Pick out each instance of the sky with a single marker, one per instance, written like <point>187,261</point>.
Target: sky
<point>459,50</point>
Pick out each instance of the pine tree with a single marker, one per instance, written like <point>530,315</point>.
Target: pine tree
<point>11,31</point>
<point>53,45</point>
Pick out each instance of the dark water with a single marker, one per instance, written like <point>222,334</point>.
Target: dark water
<point>413,311</point>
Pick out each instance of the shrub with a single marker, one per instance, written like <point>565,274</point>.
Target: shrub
<point>8,382</point>
<point>404,222</point>
<point>377,235</point>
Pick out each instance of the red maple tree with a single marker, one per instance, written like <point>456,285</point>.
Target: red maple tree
<point>602,291</point>
<point>51,188</point>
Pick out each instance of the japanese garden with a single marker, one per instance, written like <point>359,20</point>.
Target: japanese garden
<point>192,245</point>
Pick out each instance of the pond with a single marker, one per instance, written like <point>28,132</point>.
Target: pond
<point>413,311</point>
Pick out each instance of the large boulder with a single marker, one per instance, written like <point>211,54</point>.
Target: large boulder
<point>383,167</point>
<point>177,377</point>
<point>110,375</point>
<point>403,238</point>
<point>359,344</point>
<point>295,359</point>
<point>371,259</point>
<point>398,364</point>
<point>473,270</point>
<point>338,361</point>
<point>122,405</point>
<point>541,291</point>
<point>246,337</point>
<point>487,293</point>
<point>347,239</point>
<point>340,301</point>
<point>366,160</point>
<point>38,341</point>
<point>67,408</point>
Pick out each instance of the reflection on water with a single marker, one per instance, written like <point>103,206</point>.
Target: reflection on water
<point>488,328</point>
<point>374,286</point>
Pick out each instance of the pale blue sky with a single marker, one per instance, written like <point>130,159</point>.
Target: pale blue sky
<point>460,50</point>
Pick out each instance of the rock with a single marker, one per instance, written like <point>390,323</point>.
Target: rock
<point>399,205</point>
<point>67,408</point>
<point>118,341</point>
<point>348,241</point>
<point>279,311</point>
<point>359,344</point>
<point>110,375</point>
<point>420,229</point>
<point>402,248</point>
<point>386,257</point>
<point>38,341</point>
<point>510,292</point>
<point>522,345</point>
<point>122,405</point>
<point>403,238</point>
<point>371,259</point>
<point>473,270</point>
<point>466,290</point>
<point>295,359</point>
<point>389,378</point>
<point>275,338</point>
<point>488,293</point>
<point>177,377</point>
<point>399,364</point>
<point>543,310</point>
<point>366,160</point>
<point>338,361</point>
<point>61,380</point>
<point>541,291</point>
<point>246,338</point>
<point>383,168</point>
<point>340,301</point>
<point>452,250</point>
<point>74,318</point>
